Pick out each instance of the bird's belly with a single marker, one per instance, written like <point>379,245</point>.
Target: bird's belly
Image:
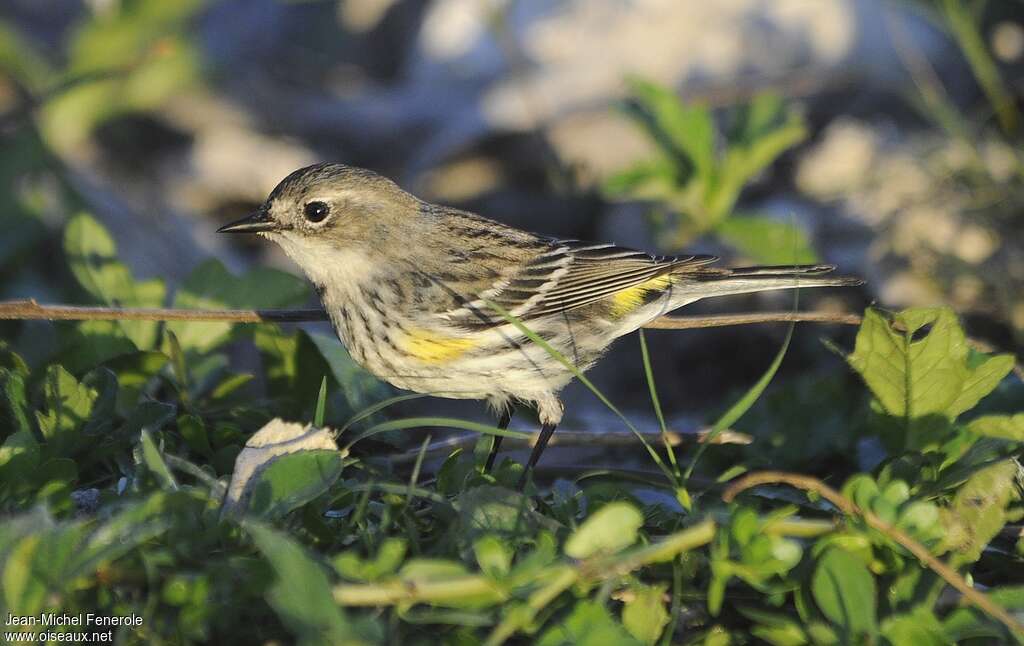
<point>475,377</point>
<point>480,365</point>
<point>478,373</point>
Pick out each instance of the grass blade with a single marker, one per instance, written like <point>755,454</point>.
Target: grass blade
<point>442,422</point>
<point>414,478</point>
<point>321,404</point>
<point>379,406</point>
<point>737,410</point>
<point>645,355</point>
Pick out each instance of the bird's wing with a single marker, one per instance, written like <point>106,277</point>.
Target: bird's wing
<point>566,275</point>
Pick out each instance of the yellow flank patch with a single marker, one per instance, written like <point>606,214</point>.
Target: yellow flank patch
<point>633,297</point>
<point>431,347</point>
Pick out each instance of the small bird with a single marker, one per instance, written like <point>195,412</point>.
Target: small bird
<point>423,295</point>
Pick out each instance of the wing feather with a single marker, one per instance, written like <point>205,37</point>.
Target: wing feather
<point>568,275</point>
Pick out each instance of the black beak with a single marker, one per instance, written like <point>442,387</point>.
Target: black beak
<point>255,222</point>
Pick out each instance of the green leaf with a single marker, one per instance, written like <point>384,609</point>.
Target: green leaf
<point>301,594</point>
<point>389,557</point>
<point>293,369</point>
<point>56,493</point>
<point>135,370</point>
<point>984,373</point>
<point>644,616</point>
<point>775,629</point>
<point>653,180</point>
<point>39,566</point>
<point>421,571</point>
<point>676,127</point>
<point>67,405</point>
<point>1004,427</point>
<point>290,481</point>
<point>759,117</point>
<point>492,555</point>
<point>882,357</point>
<point>90,343</point>
<point>23,591</point>
<point>321,404</point>
<point>608,530</point>
<point>12,361</point>
<point>432,570</point>
<point>589,624</point>
<point>92,256</point>
<point>19,447</point>
<point>211,286</point>
<point>104,408</point>
<point>767,241</point>
<point>154,461</point>
<point>845,591</point>
<point>15,403</point>
<point>924,370</point>
<point>132,526</point>
<point>920,628</point>
<point>153,38</point>
<point>193,430</point>
<point>148,415</point>
<point>229,385</point>
<point>490,510</point>
<point>744,160</point>
<point>978,511</point>
<point>965,624</point>
<point>48,560</point>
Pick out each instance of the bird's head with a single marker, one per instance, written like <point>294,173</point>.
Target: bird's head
<point>328,207</point>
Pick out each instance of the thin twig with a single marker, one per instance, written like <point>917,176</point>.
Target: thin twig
<point>722,320</point>
<point>848,507</point>
<point>30,309</point>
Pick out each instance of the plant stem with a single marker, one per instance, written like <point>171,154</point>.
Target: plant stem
<point>965,29</point>
<point>723,320</point>
<point>516,621</point>
<point>556,579</point>
<point>31,310</point>
<point>664,550</point>
<point>848,507</point>
<point>401,591</point>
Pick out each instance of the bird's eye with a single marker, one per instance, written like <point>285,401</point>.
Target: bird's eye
<point>316,211</point>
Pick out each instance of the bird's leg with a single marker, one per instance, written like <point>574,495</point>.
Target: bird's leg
<point>546,432</point>
<point>503,422</point>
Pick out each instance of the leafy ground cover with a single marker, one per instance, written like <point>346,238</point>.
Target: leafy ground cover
<point>119,444</point>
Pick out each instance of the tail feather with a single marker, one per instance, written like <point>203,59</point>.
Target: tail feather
<point>712,282</point>
<point>780,270</point>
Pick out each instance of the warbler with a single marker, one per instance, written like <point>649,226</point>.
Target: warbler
<point>434,299</point>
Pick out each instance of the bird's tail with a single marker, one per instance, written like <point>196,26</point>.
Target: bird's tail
<point>712,282</point>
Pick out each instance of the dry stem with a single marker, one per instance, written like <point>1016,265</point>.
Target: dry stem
<point>29,309</point>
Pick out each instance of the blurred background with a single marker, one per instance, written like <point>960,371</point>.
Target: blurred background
<point>881,136</point>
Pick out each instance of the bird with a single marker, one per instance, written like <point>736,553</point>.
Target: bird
<point>441,301</point>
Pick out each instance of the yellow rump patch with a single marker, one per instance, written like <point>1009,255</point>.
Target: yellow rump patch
<point>633,297</point>
<point>431,347</point>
